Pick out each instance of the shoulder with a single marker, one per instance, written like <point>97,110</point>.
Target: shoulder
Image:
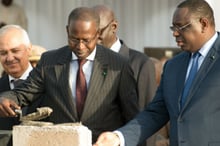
<point>140,59</point>
<point>132,53</point>
<point>178,62</point>
<point>58,55</point>
<point>17,7</point>
<point>4,78</point>
<point>138,55</point>
<point>4,83</point>
<point>108,54</point>
<point>178,58</point>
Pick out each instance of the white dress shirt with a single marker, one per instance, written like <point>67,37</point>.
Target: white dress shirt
<point>116,46</point>
<point>87,70</point>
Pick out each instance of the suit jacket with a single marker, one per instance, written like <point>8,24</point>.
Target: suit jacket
<point>144,74</point>
<point>197,123</point>
<point>6,123</point>
<point>111,100</point>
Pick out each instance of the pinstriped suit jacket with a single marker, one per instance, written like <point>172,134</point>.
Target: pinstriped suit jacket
<point>111,100</point>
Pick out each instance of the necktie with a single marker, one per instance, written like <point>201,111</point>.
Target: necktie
<point>81,89</point>
<point>191,77</point>
<point>17,82</point>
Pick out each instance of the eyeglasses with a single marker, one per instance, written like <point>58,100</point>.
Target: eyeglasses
<point>180,29</point>
<point>86,42</point>
<point>104,28</point>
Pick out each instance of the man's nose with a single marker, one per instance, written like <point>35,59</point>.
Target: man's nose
<point>10,56</point>
<point>176,33</point>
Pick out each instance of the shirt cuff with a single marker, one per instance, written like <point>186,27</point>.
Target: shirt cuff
<point>121,137</point>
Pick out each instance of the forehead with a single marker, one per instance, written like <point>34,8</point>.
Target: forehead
<point>104,21</point>
<point>11,39</point>
<point>82,26</point>
<point>82,29</point>
<point>181,15</point>
<point>105,17</point>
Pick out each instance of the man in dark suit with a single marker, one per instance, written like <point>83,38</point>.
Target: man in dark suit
<point>194,121</point>
<point>142,66</point>
<point>15,50</point>
<point>111,98</point>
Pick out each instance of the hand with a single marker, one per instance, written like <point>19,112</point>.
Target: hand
<point>108,139</point>
<point>7,107</point>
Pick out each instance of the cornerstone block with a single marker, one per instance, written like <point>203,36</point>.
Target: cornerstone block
<point>52,135</point>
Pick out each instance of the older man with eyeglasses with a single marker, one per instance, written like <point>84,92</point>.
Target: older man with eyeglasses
<point>188,94</point>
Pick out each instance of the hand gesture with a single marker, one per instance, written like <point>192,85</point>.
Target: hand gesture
<point>108,139</point>
<point>7,107</point>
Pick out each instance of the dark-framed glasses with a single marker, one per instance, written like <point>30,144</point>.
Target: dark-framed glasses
<point>104,28</point>
<point>180,29</point>
<point>75,41</point>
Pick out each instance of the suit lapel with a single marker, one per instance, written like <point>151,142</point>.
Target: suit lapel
<point>124,50</point>
<point>62,75</point>
<point>181,74</point>
<point>100,70</point>
<point>65,59</point>
<point>207,64</point>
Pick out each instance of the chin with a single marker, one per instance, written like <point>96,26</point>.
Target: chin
<point>184,48</point>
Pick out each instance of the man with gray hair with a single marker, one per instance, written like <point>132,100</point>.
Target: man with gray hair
<point>15,49</point>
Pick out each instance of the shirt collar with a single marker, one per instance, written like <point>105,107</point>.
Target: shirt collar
<point>207,46</point>
<point>91,56</point>
<point>116,46</point>
<point>24,75</point>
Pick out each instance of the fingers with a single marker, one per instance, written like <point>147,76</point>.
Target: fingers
<point>107,139</point>
<point>7,107</point>
<point>100,140</point>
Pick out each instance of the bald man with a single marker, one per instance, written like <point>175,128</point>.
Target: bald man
<point>142,67</point>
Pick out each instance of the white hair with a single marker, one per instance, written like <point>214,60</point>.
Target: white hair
<point>25,36</point>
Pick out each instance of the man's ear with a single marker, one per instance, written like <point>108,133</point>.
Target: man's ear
<point>114,26</point>
<point>67,29</point>
<point>204,24</point>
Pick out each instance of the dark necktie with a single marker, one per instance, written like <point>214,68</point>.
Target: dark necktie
<point>191,76</point>
<point>17,82</point>
<point>81,89</point>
